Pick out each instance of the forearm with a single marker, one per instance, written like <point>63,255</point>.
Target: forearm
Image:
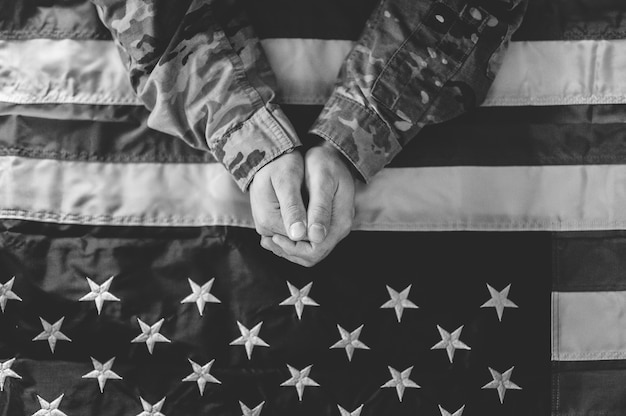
<point>416,63</point>
<point>201,71</point>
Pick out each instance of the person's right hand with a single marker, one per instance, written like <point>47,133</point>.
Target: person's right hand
<point>276,198</point>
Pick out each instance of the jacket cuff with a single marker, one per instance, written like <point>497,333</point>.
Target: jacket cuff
<point>359,133</point>
<point>254,143</point>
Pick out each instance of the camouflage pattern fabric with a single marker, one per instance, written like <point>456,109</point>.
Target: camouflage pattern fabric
<point>199,67</point>
<point>417,62</point>
<point>201,71</point>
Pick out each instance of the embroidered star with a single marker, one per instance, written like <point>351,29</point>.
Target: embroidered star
<point>356,412</point>
<point>7,294</point>
<point>251,412</point>
<point>99,293</point>
<point>450,342</point>
<point>49,409</point>
<point>52,333</point>
<point>5,371</point>
<point>501,382</point>
<point>401,381</point>
<point>300,379</point>
<point>150,334</point>
<point>249,338</point>
<point>201,295</point>
<point>102,372</point>
<point>459,412</point>
<point>201,375</point>
<point>499,300</point>
<point>299,298</point>
<point>151,409</point>
<point>399,301</point>
<point>350,341</point>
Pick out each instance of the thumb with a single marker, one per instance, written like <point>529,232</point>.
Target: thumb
<point>322,190</point>
<point>288,193</point>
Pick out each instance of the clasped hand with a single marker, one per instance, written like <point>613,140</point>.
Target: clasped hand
<point>303,234</point>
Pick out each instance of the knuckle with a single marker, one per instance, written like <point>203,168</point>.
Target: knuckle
<point>292,209</point>
<point>321,213</point>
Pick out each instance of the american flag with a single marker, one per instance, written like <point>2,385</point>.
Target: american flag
<point>486,274</point>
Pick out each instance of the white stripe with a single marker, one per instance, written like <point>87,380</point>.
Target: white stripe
<point>561,73</point>
<point>306,69</point>
<point>533,73</point>
<point>42,71</point>
<point>453,198</point>
<point>588,326</point>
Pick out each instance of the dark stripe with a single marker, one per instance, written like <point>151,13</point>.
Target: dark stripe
<point>96,141</point>
<point>56,19</point>
<point>568,135</point>
<point>590,388</point>
<point>316,19</point>
<point>489,136</point>
<point>312,19</point>
<point>573,20</point>
<point>62,111</point>
<point>590,261</point>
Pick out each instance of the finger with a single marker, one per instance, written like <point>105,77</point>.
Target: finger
<point>322,189</point>
<point>268,244</point>
<point>288,193</point>
<point>302,252</point>
<point>343,210</point>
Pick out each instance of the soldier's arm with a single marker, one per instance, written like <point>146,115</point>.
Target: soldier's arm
<point>417,62</point>
<point>198,67</point>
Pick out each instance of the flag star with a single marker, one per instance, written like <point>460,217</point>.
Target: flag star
<point>102,372</point>
<point>300,379</point>
<point>459,412</point>
<point>356,412</point>
<point>151,409</point>
<point>299,298</point>
<point>49,409</point>
<point>251,412</point>
<point>201,295</point>
<point>7,294</point>
<point>5,371</point>
<point>150,334</point>
<point>350,341</point>
<point>201,375</point>
<point>52,333</point>
<point>499,300</point>
<point>99,293</point>
<point>450,342</point>
<point>249,338</point>
<point>501,382</point>
<point>399,301</point>
<point>401,381</point>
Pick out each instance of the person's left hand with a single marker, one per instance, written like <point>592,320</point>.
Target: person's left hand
<point>330,210</point>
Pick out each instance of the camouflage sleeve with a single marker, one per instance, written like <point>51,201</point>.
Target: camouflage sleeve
<point>199,68</point>
<point>417,62</point>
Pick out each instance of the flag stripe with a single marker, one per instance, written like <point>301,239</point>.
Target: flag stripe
<point>589,326</point>
<point>533,73</point>
<point>572,20</point>
<point>321,19</point>
<point>454,198</point>
<point>584,389</point>
<point>485,137</point>
<point>590,262</point>
<point>68,111</point>
<point>120,141</point>
<point>52,20</point>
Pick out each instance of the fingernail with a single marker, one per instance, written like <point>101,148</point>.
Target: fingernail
<point>297,230</point>
<point>317,233</point>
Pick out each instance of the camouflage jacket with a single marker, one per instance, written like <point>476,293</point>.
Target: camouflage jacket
<point>200,69</point>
